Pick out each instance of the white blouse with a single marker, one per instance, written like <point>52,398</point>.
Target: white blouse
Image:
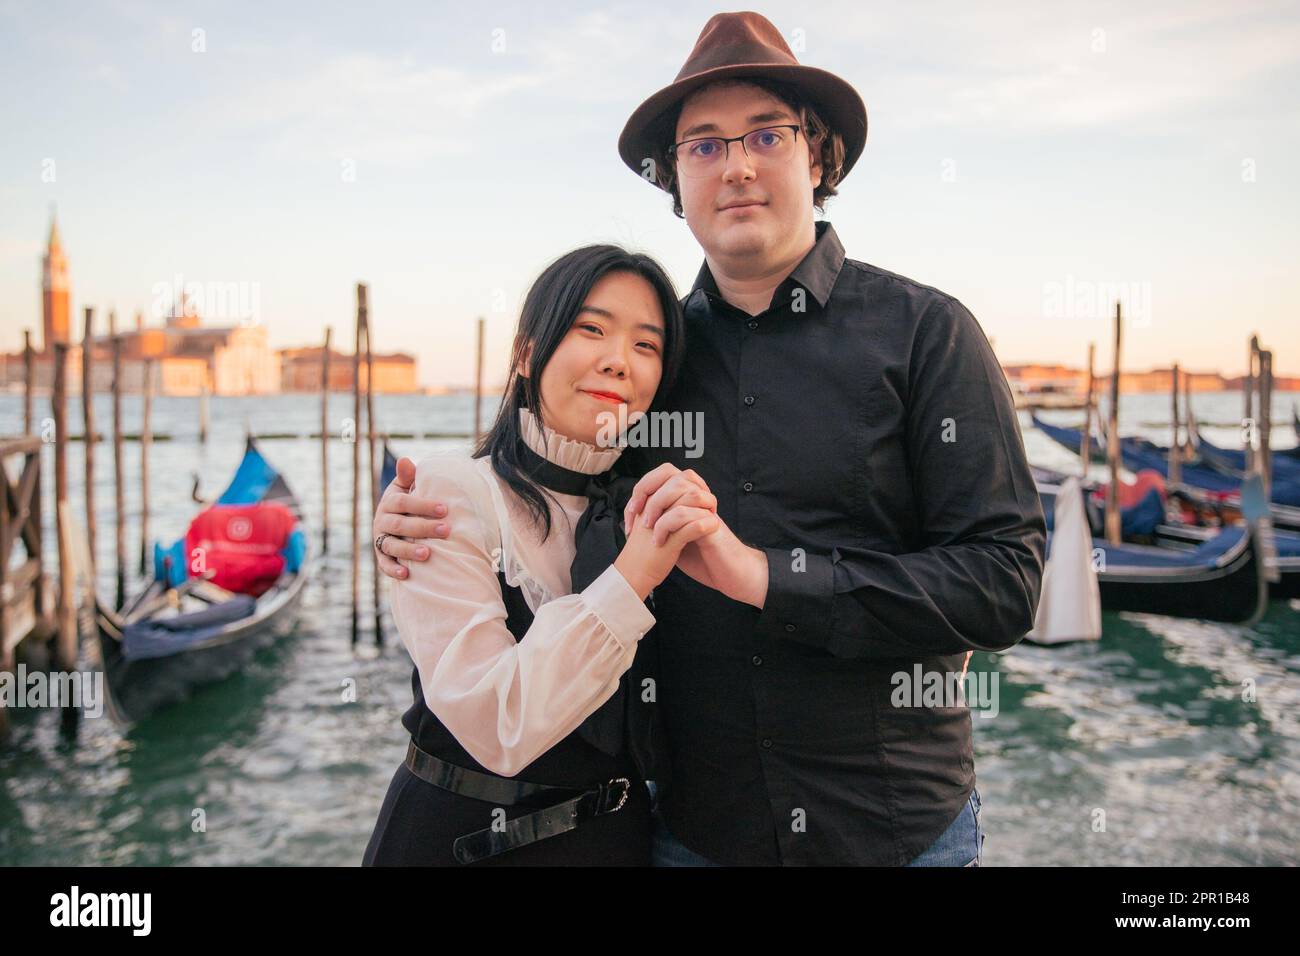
<point>509,702</point>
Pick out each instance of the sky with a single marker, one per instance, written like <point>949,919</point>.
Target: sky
<point>1034,160</point>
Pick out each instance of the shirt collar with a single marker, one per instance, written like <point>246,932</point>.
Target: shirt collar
<point>564,451</point>
<point>816,272</point>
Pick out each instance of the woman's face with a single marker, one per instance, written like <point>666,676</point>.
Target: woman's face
<point>611,357</point>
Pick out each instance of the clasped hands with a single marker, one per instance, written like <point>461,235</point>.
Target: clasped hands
<point>668,503</point>
<point>668,499</point>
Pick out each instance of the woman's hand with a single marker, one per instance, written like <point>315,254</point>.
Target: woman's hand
<point>681,510</point>
<point>666,487</point>
<point>645,562</point>
<point>719,559</point>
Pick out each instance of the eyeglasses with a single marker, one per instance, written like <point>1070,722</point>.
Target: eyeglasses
<point>766,147</point>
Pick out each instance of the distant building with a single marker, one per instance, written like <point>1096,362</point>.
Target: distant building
<point>1281,383</point>
<point>228,360</point>
<point>1034,378</point>
<point>1161,380</point>
<point>187,356</point>
<point>300,371</point>
<point>1038,379</point>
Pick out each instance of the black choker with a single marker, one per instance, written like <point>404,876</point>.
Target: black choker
<point>548,474</point>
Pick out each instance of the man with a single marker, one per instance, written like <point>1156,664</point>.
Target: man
<point>881,522</point>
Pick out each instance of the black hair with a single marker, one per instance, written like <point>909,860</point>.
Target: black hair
<point>549,311</point>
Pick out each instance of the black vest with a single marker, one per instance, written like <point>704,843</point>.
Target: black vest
<point>573,762</point>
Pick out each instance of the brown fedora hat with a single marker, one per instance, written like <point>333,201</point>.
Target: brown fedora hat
<point>734,46</point>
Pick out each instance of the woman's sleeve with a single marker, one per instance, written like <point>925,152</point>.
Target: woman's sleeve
<point>507,702</point>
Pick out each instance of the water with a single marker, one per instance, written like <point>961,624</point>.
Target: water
<point>1146,727</point>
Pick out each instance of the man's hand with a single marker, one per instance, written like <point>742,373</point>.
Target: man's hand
<point>718,560</point>
<point>725,563</point>
<point>402,515</point>
<point>645,562</point>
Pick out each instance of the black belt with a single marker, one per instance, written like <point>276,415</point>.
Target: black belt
<point>512,834</point>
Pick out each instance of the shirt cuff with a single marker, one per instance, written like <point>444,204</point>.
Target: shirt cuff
<point>618,607</point>
<point>800,592</point>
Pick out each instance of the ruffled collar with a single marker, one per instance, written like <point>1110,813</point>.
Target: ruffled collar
<point>564,451</point>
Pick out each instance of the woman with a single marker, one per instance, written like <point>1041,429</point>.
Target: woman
<point>533,727</point>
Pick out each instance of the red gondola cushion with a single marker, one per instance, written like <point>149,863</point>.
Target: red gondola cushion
<point>1132,493</point>
<point>242,543</point>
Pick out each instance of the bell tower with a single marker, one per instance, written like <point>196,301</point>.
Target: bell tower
<point>54,285</point>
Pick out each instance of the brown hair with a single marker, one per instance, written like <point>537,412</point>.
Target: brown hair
<point>815,130</point>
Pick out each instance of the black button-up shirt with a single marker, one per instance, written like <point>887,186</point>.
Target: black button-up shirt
<point>861,433</point>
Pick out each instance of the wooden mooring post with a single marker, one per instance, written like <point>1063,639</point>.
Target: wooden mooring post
<point>29,378</point>
<point>1175,469</point>
<point>1266,420</point>
<point>203,410</point>
<point>1113,441</point>
<point>119,481</point>
<point>146,439</point>
<point>1089,401</point>
<point>374,475</point>
<point>356,464</point>
<point>88,427</point>
<point>325,443</point>
<point>66,645</point>
<point>1249,422</point>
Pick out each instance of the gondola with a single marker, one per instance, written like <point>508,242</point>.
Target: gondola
<point>388,471</point>
<point>199,621</point>
<point>1138,454</point>
<point>1221,579</point>
<point>1147,522</point>
<point>1232,461</point>
<point>1285,543</point>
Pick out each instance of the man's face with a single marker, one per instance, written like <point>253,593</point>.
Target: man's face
<point>779,214</point>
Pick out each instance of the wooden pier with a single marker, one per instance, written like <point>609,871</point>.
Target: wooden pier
<point>26,598</point>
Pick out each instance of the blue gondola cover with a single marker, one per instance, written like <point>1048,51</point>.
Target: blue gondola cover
<point>165,636</point>
<point>179,568</point>
<point>251,482</point>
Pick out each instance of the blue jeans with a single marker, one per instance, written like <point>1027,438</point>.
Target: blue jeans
<point>666,849</point>
<point>962,844</point>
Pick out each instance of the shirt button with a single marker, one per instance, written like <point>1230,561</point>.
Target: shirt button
<point>749,399</point>
<point>748,486</point>
<point>752,325</point>
<point>757,659</point>
<point>767,743</point>
<point>789,628</point>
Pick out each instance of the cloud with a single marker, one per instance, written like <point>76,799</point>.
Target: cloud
<point>1041,67</point>
<point>372,108</point>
